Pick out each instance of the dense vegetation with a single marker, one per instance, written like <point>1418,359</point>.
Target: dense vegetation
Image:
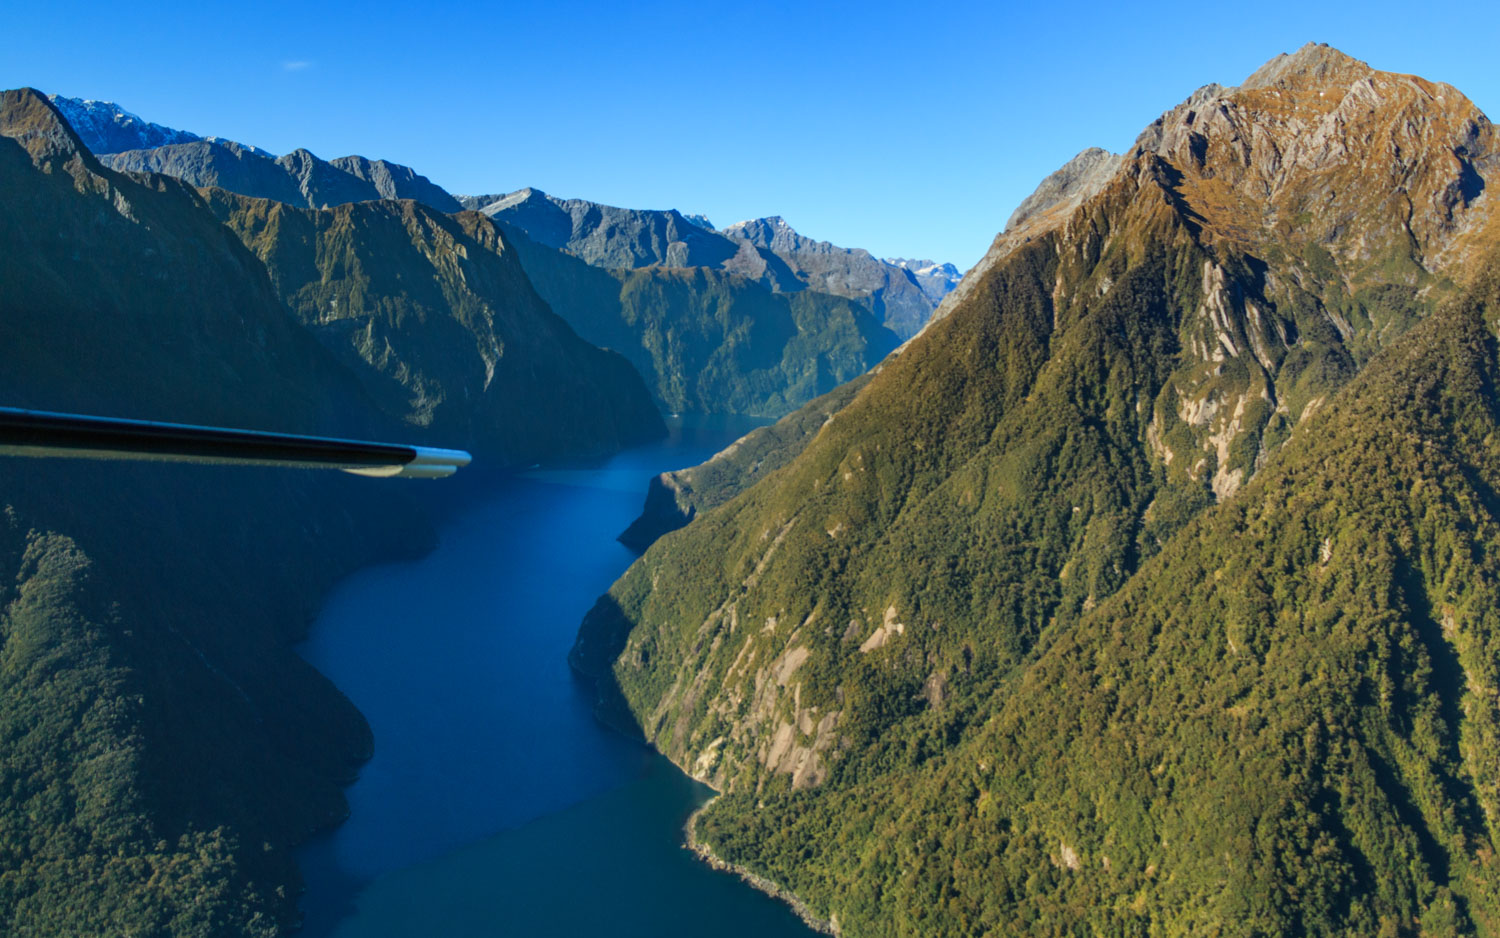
<point>163,747</point>
<point>1111,605</point>
<point>436,316</point>
<point>1286,723</point>
<point>675,498</point>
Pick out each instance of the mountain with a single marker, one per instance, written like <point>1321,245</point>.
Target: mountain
<point>765,250</point>
<point>439,320</point>
<point>1145,590</point>
<point>706,328</point>
<point>707,341</point>
<point>936,279</point>
<point>704,338</point>
<point>675,498</point>
<point>298,178</point>
<point>127,143</point>
<point>394,181</point>
<point>892,291</point>
<point>165,749</point>
<point>615,238</point>
<point>105,127</point>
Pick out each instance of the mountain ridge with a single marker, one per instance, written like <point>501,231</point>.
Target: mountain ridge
<point>765,250</point>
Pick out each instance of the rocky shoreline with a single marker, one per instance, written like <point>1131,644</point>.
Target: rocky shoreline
<point>829,926</point>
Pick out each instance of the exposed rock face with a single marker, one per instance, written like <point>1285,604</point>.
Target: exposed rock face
<point>707,341</point>
<point>893,292</point>
<point>298,178</point>
<point>1056,197</point>
<point>394,181</point>
<point>1079,178</point>
<point>936,279</point>
<point>1017,513</point>
<point>606,236</point>
<point>1361,189</point>
<point>105,127</point>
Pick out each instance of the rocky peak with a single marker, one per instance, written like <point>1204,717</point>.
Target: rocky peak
<point>322,184</point>
<point>1078,179</point>
<point>763,232</point>
<point>1320,145</point>
<point>394,181</point>
<point>105,127</point>
<point>1330,205</point>
<point>29,118</point>
<point>1316,63</point>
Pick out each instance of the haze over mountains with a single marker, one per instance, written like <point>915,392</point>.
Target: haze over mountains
<point>1144,591</point>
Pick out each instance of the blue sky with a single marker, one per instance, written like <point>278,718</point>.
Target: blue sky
<point>907,129</point>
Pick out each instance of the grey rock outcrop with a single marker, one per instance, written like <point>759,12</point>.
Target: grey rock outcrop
<point>394,181</point>
<point>105,127</point>
<point>607,236</point>
<point>299,178</point>
<point>1075,181</point>
<point>892,292</point>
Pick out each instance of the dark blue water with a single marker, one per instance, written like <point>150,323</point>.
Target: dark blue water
<point>495,803</point>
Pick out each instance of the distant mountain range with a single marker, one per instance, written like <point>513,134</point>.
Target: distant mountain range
<point>901,294</point>
<point>715,324</point>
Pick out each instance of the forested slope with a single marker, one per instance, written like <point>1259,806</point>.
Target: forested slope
<point>992,625</point>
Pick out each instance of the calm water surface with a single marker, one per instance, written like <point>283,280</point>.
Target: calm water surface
<point>495,804</point>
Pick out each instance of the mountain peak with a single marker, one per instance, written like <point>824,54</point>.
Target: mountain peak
<point>34,121</point>
<point>105,127</point>
<point>1314,63</point>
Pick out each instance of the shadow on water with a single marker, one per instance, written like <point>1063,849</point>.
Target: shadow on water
<point>459,661</point>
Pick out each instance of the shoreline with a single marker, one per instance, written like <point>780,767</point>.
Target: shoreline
<point>755,881</point>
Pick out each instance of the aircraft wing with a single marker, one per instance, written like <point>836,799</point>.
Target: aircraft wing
<point>42,433</point>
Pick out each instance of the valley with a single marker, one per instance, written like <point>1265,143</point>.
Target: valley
<point>1138,581</point>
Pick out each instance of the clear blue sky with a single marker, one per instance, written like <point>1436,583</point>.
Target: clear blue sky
<point>910,129</point>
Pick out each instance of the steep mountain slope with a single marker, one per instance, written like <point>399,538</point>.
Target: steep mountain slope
<point>165,748</point>
<point>675,498</point>
<point>936,279</point>
<point>394,181</point>
<point>1286,723</point>
<point>707,341</point>
<point>439,320</point>
<point>70,312</point>
<point>610,237</point>
<point>881,652</point>
<point>105,127</point>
